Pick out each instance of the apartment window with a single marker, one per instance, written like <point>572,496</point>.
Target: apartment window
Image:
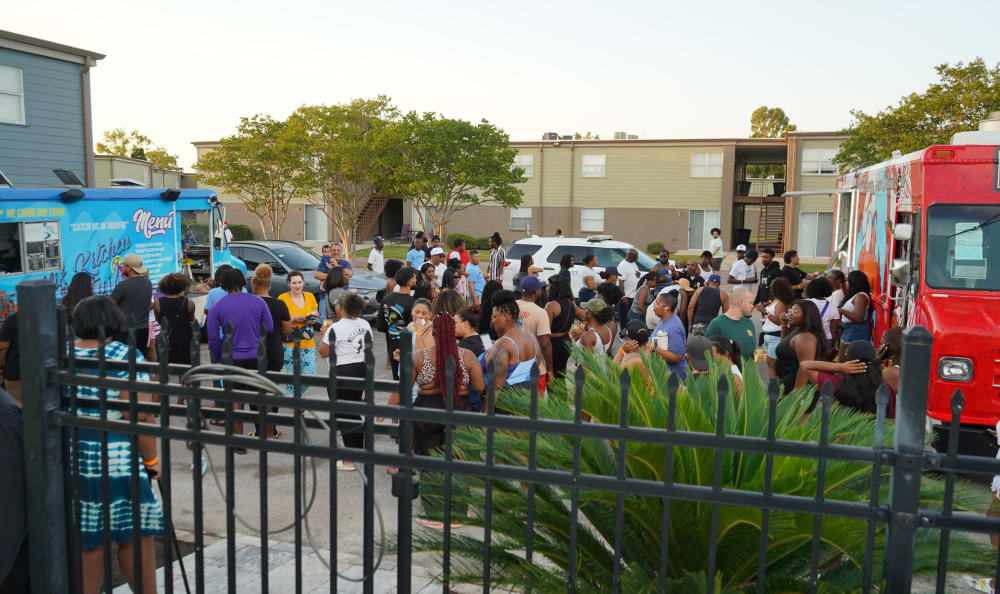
<point>11,95</point>
<point>706,165</point>
<point>520,219</point>
<point>525,162</point>
<point>819,161</point>
<point>593,165</point>
<point>592,219</point>
<point>815,234</point>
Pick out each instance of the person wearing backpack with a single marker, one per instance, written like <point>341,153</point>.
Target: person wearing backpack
<point>396,312</point>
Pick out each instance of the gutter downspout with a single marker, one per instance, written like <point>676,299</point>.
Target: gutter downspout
<point>572,171</point>
<point>88,126</point>
<point>541,185</point>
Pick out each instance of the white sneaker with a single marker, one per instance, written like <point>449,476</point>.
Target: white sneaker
<point>346,466</point>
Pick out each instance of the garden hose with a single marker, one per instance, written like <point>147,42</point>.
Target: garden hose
<point>250,379</point>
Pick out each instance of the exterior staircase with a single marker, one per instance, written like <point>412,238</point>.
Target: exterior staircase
<point>369,214</point>
<point>770,226</point>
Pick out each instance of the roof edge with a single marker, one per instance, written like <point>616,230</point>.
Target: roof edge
<point>51,49</point>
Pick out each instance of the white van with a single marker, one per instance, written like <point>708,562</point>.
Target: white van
<point>548,251</point>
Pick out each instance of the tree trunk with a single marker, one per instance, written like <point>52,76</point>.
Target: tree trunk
<point>263,230</point>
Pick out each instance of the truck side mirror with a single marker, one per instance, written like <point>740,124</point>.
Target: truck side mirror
<point>900,272</point>
<point>902,232</point>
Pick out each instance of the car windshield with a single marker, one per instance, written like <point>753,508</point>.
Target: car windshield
<point>960,239</point>
<point>296,258</point>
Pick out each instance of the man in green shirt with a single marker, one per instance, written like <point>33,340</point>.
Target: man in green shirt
<point>736,324</point>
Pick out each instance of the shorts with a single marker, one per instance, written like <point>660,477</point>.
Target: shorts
<point>770,344</point>
<point>855,331</point>
<point>716,264</point>
<point>698,329</point>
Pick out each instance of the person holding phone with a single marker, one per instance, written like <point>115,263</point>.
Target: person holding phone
<point>303,309</point>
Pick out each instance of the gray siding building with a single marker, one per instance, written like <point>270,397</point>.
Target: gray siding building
<point>44,110</point>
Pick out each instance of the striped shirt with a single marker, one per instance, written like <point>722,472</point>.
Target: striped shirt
<point>497,259</point>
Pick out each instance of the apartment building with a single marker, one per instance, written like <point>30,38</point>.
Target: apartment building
<point>45,121</point>
<point>673,191</point>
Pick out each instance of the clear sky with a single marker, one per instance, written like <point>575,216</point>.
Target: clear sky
<point>184,71</point>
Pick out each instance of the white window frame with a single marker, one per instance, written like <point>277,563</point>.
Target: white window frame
<point>520,214</point>
<point>593,165</point>
<point>819,161</point>
<point>592,219</point>
<point>706,164</point>
<point>525,162</point>
<point>19,94</point>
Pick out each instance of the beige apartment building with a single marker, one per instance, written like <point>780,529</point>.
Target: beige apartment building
<point>672,191</point>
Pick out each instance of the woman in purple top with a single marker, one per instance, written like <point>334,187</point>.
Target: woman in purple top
<point>246,313</point>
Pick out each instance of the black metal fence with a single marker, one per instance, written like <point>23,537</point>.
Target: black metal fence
<point>52,376</point>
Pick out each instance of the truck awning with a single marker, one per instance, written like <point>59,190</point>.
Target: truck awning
<point>817,192</point>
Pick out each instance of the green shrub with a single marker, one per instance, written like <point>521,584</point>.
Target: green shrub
<point>450,241</point>
<point>654,248</point>
<point>788,542</point>
<point>241,232</point>
<point>483,243</point>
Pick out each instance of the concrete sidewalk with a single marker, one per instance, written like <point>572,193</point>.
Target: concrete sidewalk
<point>281,571</point>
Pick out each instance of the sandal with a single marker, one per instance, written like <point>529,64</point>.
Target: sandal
<point>217,422</point>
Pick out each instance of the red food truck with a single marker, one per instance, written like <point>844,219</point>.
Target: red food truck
<point>925,229</point>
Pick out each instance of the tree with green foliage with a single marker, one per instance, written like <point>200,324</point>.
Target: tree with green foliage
<point>788,541</point>
<point>445,166</point>
<point>133,145</point>
<point>346,158</point>
<point>261,165</point>
<point>964,96</point>
<point>768,122</point>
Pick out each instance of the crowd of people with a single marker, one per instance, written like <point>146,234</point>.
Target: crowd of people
<point>815,329</point>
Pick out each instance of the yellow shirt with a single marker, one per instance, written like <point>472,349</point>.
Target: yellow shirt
<point>309,307</point>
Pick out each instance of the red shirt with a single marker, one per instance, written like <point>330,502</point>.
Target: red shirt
<point>462,255</point>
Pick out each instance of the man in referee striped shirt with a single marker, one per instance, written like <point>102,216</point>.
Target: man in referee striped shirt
<point>494,271</point>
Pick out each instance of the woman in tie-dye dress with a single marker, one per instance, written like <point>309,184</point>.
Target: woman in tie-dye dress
<point>88,317</point>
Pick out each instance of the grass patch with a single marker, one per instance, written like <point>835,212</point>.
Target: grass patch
<point>397,252</point>
<point>813,267</point>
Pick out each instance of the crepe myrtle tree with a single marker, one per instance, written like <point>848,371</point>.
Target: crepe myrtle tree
<point>446,165</point>
<point>346,158</point>
<point>260,165</point>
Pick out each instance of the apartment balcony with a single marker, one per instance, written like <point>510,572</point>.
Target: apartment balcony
<point>756,191</point>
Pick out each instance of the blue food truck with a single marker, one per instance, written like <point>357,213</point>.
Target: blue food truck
<point>55,233</point>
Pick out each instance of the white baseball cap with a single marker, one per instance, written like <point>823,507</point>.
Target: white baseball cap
<point>437,251</point>
<point>739,248</point>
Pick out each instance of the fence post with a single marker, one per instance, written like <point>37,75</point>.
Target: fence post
<point>910,426</point>
<point>38,333</point>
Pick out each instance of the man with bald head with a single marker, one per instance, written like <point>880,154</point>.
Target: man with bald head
<point>736,324</point>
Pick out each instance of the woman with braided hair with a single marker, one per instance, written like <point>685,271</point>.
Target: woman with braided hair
<point>433,384</point>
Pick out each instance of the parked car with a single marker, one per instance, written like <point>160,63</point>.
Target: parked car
<point>549,251</point>
<point>285,256</point>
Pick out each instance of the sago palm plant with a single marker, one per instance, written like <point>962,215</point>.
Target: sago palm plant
<point>789,535</point>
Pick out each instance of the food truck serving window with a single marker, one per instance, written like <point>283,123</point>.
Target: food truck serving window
<point>29,247</point>
<point>963,246</point>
